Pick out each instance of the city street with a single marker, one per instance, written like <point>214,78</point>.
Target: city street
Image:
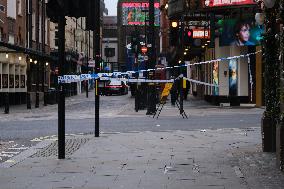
<point>73,75</point>
<point>117,115</point>
<point>231,135</point>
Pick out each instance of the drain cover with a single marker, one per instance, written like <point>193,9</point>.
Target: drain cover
<point>71,145</point>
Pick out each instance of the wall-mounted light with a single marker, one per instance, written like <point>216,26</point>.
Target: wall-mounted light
<point>31,60</point>
<point>46,63</point>
<point>7,56</point>
<point>179,61</point>
<point>208,41</point>
<point>184,53</point>
<point>35,61</point>
<point>166,6</point>
<point>203,46</point>
<point>174,24</point>
<point>20,58</point>
<point>206,44</point>
<point>186,49</point>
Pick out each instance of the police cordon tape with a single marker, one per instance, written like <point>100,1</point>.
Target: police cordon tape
<point>76,78</point>
<point>83,77</point>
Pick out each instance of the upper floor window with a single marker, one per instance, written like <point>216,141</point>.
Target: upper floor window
<point>2,9</point>
<point>19,4</point>
<point>11,9</point>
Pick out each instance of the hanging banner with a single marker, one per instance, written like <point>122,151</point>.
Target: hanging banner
<point>216,78</point>
<point>233,77</point>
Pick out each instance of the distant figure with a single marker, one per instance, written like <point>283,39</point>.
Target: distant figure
<point>174,92</point>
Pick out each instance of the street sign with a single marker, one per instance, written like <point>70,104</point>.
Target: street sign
<point>140,58</point>
<point>144,49</point>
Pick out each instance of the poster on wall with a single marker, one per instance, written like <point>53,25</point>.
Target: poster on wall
<point>23,81</point>
<point>233,77</point>
<point>216,78</point>
<point>11,81</point>
<point>5,80</point>
<point>17,81</point>
<point>241,32</point>
<point>135,13</point>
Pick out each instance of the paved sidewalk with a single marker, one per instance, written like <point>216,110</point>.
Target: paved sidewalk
<point>213,159</point>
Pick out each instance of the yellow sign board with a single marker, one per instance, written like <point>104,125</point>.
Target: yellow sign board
<point>166,90</point>
<point>184,83</point>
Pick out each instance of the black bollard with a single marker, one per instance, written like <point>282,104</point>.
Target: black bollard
<point>29,100</point>
<point>37,100</point>
<point>44,98</point>
<point>6,103</point>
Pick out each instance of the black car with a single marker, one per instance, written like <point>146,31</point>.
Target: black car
<point>116,87</point>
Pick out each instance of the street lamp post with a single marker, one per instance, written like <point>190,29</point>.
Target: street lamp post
<point>280,126</point>
<point>271,79</point>
<point>97,54</point>
<point>151,108</point>
<point>61,102</point>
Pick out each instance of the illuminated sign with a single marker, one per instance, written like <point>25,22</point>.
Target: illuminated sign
<point>139,5</point>
<point>220,3</point>
<point>137,13</point>
<point>202,23</point>
<point>201,34</point>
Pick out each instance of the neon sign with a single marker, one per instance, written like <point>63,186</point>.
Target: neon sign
<point>137,13</point>
<point>156,5</point>
<point>220,3</point>
<point>201,34</point>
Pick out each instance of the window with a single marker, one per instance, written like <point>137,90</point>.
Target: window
<point>11,8</point>
<point>45,32</point>
<point>33,26</point>
<point>2,9</point>
<point>11,39</point>
<point>56,42</point>
<point>40,29</point>
<point>19,3</point>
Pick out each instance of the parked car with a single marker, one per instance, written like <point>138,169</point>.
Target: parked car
<point>102,86</point>
<point>116,87</point>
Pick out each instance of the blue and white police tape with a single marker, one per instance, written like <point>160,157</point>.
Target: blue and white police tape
<point>76,78</point>
<point>82,77</point>
<point>201,83</point>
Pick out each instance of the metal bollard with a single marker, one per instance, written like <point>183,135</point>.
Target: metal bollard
<point>29,100</point>
<point>44,98</point>
<point>37,100</point>
<point>6,103</point>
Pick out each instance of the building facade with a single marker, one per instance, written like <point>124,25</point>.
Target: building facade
<point>12,63</point>
<point>131,17</point>
<point>110,44</point>
<point>211,38</point>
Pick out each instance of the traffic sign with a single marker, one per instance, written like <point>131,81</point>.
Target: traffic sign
<point>144,49</point>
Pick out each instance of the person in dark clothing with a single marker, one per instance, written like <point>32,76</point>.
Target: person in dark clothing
<point>186,90</point>
<point>174,92</point>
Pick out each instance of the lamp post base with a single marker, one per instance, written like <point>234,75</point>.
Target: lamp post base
<point>280,146</point>
<point>268,132</point>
